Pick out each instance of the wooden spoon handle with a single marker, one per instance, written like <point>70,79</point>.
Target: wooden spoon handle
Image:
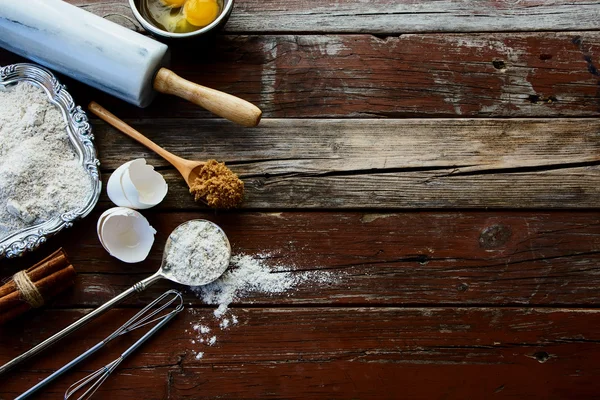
<point>115,121</point>
<point>223,104</point>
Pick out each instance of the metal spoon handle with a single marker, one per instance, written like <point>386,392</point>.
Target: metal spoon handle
<point>138,287</point>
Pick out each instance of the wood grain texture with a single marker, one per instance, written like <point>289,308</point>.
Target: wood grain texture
<point>424,304</point>
<point>336,353</point>
<point>416,258</point>
<point>386,164</point>
<point>362,76</point>
<point>384,17</point>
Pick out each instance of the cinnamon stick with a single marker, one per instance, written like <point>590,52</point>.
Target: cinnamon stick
<point>61,280</point>
<point>49,265</point>
<point>13,313</point>
<point>46,286</point>
<point>50,257</point>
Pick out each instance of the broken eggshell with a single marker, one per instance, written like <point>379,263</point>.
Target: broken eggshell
<point>114,189</point>
<point>125,234</point>
<point>137,185</point>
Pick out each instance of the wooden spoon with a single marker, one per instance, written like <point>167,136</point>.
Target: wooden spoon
<point>210,182</point>
<point>187,168</point>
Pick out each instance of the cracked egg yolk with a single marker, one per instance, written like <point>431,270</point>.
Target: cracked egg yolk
<point>200,12</point>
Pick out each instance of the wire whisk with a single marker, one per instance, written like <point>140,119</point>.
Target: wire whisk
<point>146,316</point>
<point>96,379</point>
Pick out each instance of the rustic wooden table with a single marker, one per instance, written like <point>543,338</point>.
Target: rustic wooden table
<point>440,157</point>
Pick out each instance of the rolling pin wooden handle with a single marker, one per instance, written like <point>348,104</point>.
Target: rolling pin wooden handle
<point>223,104</point>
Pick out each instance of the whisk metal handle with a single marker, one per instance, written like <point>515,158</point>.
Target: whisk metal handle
<point>147,335</point>
<point>93,381</point>
<point>138,287</point>
<point>60,371</point>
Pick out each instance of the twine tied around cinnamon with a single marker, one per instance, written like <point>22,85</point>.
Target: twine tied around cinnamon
<point>27,289</point>
<point>36,285</point>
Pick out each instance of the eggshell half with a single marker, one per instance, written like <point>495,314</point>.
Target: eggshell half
<point>101,222</point>
<point>142,185</point>
<point>114,188</point>
<point>126,234</point>
<point>136,185</point>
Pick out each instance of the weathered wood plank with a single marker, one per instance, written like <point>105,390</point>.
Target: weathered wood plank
<point>384,16</point>
<point>430,258</point>
<point>382,163</point>
<point>335,353</point>
<point>517,75</point>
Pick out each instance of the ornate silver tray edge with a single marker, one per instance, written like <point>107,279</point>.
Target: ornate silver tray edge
<point>80,134</point>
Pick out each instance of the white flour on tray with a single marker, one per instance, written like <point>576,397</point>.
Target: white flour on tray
<point>40,174</point>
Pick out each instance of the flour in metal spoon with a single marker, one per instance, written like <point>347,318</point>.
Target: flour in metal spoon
<point>198,253</point>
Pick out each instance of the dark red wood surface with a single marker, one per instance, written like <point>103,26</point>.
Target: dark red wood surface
<point>393,259</point>
<point>340,353</point>
<point>465,250</point>
<point>407,76</point>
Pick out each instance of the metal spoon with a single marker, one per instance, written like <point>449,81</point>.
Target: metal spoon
<point>163,272</point>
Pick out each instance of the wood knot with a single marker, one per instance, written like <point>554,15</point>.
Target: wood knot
<point>260,182</point>
<point>541,356</point>
<point>462,287</point>
<point>494,236</point>
<point>536,99</point>
<point>499,64</point>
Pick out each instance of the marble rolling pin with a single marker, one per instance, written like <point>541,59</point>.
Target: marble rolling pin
<point>106,56</point>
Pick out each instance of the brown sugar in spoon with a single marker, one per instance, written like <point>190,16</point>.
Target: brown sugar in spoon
<point>209,181</point>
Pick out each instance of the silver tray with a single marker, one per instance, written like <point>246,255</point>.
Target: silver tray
<point>80,134</point>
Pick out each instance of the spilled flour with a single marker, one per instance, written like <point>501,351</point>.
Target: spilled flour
<point>247,275</point>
